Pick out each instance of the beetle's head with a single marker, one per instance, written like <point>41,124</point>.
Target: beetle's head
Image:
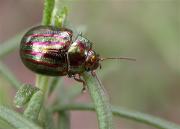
<point>92,61</point>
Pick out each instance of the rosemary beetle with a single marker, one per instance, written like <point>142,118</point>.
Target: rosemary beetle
<point>52,51</point>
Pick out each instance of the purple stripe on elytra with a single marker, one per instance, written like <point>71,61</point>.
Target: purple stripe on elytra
<point>39,54</point>
<point>46,35</point>
<point>45,43</point>
<point>33,53</point>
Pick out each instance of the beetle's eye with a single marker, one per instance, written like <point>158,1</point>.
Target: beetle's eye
<point>93,58</point>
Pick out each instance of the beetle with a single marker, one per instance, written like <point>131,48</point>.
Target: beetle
<point>51,51</point>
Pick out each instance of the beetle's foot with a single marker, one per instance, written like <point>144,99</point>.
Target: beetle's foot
<point>83,89</point>
<point>93,73</point>
<point>100,66</point>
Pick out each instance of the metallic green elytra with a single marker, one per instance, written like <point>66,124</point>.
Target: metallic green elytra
<point>51,51</point>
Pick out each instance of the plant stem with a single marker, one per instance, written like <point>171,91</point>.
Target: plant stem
<point>100,100</point>
<point>58,20</point>
<point>43,85</point>
<point>46,119</point>
<point>124,113</point>
<point>47,12</point>
<point>41,81</point>
<point>64,120</point>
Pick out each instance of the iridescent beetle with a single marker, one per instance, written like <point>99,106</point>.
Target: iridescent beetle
<point>51,51</point>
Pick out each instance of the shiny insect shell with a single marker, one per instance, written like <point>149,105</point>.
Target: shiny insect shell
<point>51,51</point>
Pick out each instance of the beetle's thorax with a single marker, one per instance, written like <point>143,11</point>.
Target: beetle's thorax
<point>81,57</point>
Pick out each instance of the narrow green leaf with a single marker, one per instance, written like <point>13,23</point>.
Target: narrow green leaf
<point>64,120</point>
<point>24,94</point>
<point>46,119</point>
<point>9,76</point>
<point>145,118</point>
<point>124,113</point>
<point>16,120</point>
<point>34,106</point>
<point>100,100</point>
<point>5,125</point>
<point>59,16</point>
<point>47,12</point>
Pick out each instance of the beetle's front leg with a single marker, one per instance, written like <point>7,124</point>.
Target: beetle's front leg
<point>68,62</point>
<point>79,79</point>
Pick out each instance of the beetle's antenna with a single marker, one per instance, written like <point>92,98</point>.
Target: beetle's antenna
<point>118,58</point>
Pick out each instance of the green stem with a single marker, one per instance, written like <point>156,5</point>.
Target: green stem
<point>47,12</point>
<point>100,100</point>
<point>32,112</point>
<point>64,120</point>
<point>63,116</point>
<point>58,20</point>
<point>43,82</point>
<point>124,113</point>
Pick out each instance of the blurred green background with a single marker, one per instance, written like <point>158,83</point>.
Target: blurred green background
<point>147,30</point>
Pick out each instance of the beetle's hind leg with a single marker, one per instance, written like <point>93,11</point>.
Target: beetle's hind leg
<point>79,79</point>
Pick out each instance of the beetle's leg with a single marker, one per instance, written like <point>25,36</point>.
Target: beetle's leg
<point>93,73</point>
<point>100,66</point>
<point>68,62</point>
<point>79,79</point>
